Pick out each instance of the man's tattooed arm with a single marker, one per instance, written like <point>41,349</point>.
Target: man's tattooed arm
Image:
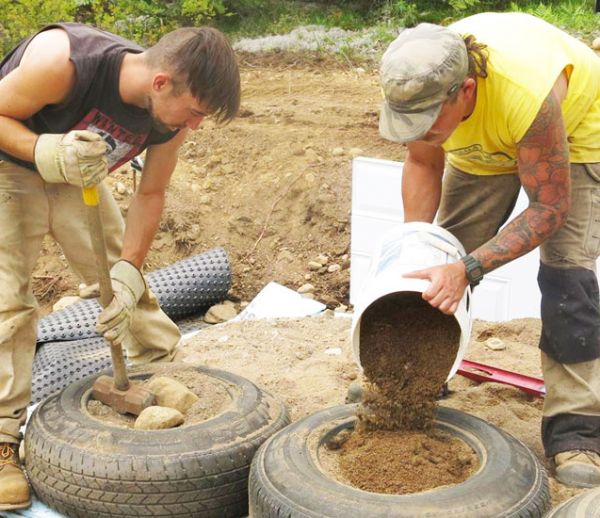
<point>543,158</point>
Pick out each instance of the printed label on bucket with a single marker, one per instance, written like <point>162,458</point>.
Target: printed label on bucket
<point>415,248</point>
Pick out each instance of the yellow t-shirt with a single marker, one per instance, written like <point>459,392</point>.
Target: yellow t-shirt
<point>525,57</point>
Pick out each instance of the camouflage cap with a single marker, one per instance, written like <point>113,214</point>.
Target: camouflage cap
<point>419,71</point>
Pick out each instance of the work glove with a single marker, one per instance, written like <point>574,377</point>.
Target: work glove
<point>77,158</point>
<point>128,286</point>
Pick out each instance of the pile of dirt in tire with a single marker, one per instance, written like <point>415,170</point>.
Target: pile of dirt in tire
<point>211,398</point>
<point>407,350</point>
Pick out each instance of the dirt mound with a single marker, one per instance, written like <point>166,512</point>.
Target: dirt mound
<point>399,463</point>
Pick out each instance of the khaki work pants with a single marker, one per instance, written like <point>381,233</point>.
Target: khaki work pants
<point>473,208</point>
<point>30,209</point>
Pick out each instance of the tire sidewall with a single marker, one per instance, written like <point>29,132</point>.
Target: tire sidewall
<point>286,470</point>
<point>585,505</point>
<point>84,467</point>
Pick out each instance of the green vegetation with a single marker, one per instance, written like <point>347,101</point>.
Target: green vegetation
<point>146,20</point>
<point>575,16</point>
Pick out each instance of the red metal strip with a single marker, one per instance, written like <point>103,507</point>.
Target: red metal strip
<point>481,372</point>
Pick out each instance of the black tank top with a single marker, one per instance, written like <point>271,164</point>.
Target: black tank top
<point>94,103</point>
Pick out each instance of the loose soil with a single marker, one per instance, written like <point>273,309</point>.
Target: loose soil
<point>403,462</point>
<point>273,188</point>
<point>407,349</point>
<point>213,394</point>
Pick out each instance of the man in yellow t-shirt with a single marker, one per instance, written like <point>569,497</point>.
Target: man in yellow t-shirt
<point>511,101</point>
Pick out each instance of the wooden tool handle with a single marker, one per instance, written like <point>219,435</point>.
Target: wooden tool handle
<point>91,198</point>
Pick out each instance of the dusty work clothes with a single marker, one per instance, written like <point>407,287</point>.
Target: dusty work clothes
<point>473,208</point>
<point>30,209</point>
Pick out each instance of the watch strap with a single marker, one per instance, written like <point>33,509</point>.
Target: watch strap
<point>473,269</point>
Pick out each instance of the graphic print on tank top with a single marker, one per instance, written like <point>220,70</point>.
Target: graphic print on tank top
<point>124,145</point>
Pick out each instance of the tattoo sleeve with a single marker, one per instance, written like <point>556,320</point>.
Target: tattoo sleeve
<point>543,160</point>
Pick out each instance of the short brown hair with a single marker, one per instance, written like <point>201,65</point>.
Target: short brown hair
<point>201,59</point>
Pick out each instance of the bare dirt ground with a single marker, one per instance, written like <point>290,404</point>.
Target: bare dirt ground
<point>274,189</point>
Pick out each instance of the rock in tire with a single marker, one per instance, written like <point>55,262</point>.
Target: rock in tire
<point>83,467</point>
<point>287,478</point>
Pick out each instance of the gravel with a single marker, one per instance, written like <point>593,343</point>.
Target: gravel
<point>317,38</point>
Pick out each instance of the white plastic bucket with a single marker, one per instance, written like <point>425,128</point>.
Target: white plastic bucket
<point>406,248</point>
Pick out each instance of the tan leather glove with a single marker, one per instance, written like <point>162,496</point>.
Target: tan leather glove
<point>128,286</point>
<point>77,158</point>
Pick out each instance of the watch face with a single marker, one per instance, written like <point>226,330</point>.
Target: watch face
<point>473,268</point>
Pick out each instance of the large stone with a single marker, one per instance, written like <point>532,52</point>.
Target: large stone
<point>306,288</point>
<point>220,313</point>
<point>171,393</point>
<point>158,418</point>
<point>64,302</point>
<point>495,344</point>
<point>314,265</point>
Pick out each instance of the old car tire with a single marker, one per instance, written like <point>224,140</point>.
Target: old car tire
<point>585,505</point>
<point>287,479</point>
<point>85,468</point>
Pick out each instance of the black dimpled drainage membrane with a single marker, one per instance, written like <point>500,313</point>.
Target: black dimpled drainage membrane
<point>68,347</point>
<point>183,289</point>
<point>58,364</point>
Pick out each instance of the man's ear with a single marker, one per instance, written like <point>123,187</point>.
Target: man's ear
<point>469,86</point>
<point>161,80</point>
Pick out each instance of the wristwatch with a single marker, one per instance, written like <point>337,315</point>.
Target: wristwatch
<point>473,269</point>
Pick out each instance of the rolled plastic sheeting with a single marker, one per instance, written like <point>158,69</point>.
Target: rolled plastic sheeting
<point>58,364</point>
<point>183,289</point>
<point>69,348</point>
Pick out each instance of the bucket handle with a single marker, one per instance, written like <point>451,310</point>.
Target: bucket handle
<point>441,245</point>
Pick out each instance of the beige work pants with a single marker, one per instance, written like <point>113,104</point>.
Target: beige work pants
<point>30,209</point>
<point>473,208</point>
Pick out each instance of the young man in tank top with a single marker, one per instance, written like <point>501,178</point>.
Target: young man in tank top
<point>75,104</point>
<point>493,103</point>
